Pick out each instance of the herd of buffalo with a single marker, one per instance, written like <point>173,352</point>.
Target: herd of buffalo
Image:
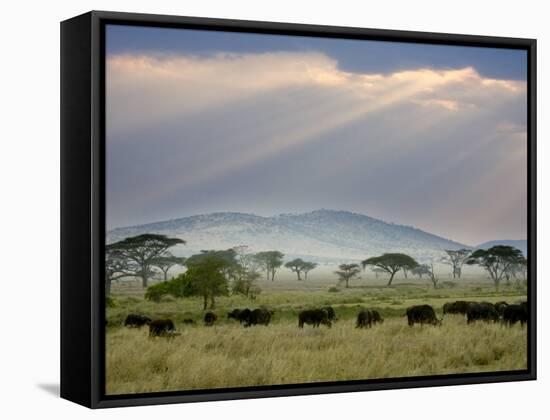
<point>508,314</point>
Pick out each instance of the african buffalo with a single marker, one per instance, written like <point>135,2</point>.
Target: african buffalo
<point>500,307</point>
<point>422,314</point>
<point>330,313</point>
<point>524,304</point>
<point>241,315</point>
<point>210,318</point>
<point>483,311</point>
<point>515,313</point>
<point>136,321</point>
<point>313,317</point>
<point>259,316</point>
<point>234,314</point>
<point>376,317</point>
<point>458,307</point>
<point>161,328</point>
<point>367,317</point>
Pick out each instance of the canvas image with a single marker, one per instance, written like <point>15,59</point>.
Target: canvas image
<point>286,209</point>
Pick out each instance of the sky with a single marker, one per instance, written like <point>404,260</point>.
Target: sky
<point>426,135</point>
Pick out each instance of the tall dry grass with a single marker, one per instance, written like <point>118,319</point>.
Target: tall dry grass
<point>232,356</point>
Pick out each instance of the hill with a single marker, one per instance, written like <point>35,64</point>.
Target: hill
<point>325,236</point>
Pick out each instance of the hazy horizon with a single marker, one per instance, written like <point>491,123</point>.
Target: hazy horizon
<point>428,136</point>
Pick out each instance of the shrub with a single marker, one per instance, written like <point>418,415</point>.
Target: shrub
<point>111,302</point>
<point>157,291</point>
<point>179,286</point>
<point>333,289</point>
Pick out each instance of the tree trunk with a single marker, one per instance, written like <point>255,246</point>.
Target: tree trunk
<point>433,278</point>
<point>391,278</point>
<point>204,302</point>
<point>347,283</point>
<point>108,287</point>
<point>144,279</point>
<point>273,274</point>
<point>298,273</point>
<point>212,302</point>
<point>165,275</point>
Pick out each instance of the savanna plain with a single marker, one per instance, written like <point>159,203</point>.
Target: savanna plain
<point>228,355</point>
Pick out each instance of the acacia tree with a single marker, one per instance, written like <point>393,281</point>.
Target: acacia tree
<point>519,268</point>
<point>496,260</point>
<point>429,271</point>
<point>116,267</point>
<point>142,250</point>
<point>456,258</point>
<point>421,270</point>
<point>347,272</point>
<point>245,258</point>
<point>270,262</point>
<point>245,283</point>
<point>166,262</point>
<point>391,263</point>
<point>308,266</point>
<point>297,265</point>
<point>245,280</point>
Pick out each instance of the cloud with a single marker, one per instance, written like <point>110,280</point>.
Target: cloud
<point>179,126</point>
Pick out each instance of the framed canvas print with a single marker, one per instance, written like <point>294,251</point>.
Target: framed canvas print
<point>255,209</point>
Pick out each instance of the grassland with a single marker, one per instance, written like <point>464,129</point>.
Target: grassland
<point>228,355</point>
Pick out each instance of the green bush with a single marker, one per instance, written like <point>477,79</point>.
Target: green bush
<point>111,302</point>
<point>180,286</point>
<point>333,289</point>
<point>157,291</point>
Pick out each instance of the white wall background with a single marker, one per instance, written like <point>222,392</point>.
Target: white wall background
<point>29,222</point>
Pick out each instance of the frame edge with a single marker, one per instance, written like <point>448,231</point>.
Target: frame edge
<point>76,266</point>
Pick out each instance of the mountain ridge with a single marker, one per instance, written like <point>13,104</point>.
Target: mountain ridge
<point>327,236</point>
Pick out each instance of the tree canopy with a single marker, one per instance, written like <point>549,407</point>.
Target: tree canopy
<point>300,266</point>
<point>142,250</point>
<point>421,270</point>
<point>456,258</point>
<point>496,260</point>
<point>230,267</point>
<point>307,267</point>
<point>116,267</point>
<point>166,262</point>
<point>347,272</point>
<point>269,261</point>
<point>391,263</point>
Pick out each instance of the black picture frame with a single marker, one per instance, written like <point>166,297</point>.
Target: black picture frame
<point>83,214</point>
